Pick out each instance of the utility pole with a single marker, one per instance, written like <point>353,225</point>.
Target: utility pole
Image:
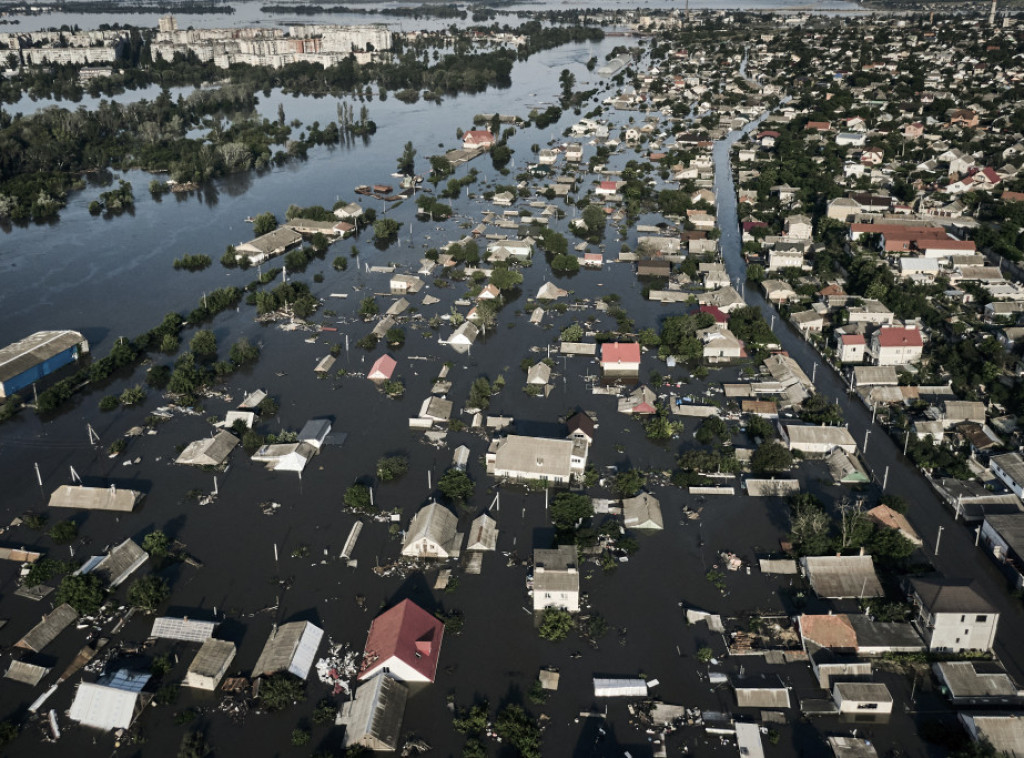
<point>885,479</point>
<point>938,539</point>
<point>867,433</point>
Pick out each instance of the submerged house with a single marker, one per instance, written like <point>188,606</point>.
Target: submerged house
<point>373,717</point>
<point>117,565</point>
<point>210,665</point>
<point>113,702</point>
<point>556,579</point>
<point>210,451</point>
<point>290,647</point>
<point>38,355</point>
<point>405,643</point>
<point>95,498</point>
<point>433,533</point>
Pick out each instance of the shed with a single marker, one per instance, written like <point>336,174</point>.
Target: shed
<point>46,631</point>
<point>26,673</point>
<point>114,702</point>
<point>483,533</point>
<point>373,718</point>
<point>838,576</point>
<point>290,647</point>
<point>619,687</point>
<point>210,665</point>
<point>183,629</point>
<point>642,512</point>
<point>862,697</point>
<point>95,498</point>
<point>209,451</point>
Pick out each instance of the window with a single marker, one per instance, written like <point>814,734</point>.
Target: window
<point>981,619</point>
<point>867,706</point>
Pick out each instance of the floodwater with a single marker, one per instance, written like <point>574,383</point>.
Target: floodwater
<point>111,277</point>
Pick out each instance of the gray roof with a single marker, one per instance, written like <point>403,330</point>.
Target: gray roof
<point>1012,464</point>
<point>283,236</point>
<point>642,512</point>
<point>536,456</point>
<point>184,629</point>
<point>22,355</point>
<point>26,673</point>
<point>94,498</point>
<point>212,659</point>
<point>46,631</point>
<point>842,576</point>
<point>373,718</point>
<point>1004,730</point>
<point>887,634</point>
<point>556,570</point>
<point>120,562</point>
<point>290,647</point>
<point>437,524</point>
<point>863,691</point>
<point>316,429</point>
<point>872,375</point>
<point>483,533</point>
<point>210,451</point>
<point>852,747</point>
<point>949,596</point>
<point>1010,527</point>
<point>761,692</point>
<point>970,679</point>
<point>805,434</point>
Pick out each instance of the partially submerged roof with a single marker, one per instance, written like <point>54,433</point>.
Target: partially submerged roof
<point>26,673</point>
<point>210,662</point>
<point>852,747</point>
<point>1005,731</point>
<point>761,692</point>
<point>184,629</point>
<point>118,564</point>
<point>111,703</point>
<point>840,576</point>
<point>642,512</point>
<point>483,533</point>
<point>975,679</point>
<point>210,451</point>
<point>94,498</point>
<point>46,631</point>
<point>22,355</point>
<point>434,523</point>
<point>406,632</point>
<point>373,718</point>
<point>290,647</point>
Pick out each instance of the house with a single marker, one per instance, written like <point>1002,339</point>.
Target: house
<point>807,321</point>
<point>620,358</point>
<point>842,576</point>
<point>113,702</point>
<point>117,565</point>
<point>850,347</point>
<point>28,360</point>
<point>817,440</point>
<point>574,152</point>
<point>536,458</point>
<point>405,284</point>
<point>766,692</point>
<point>290,647</point>
<point>503,250</point>
<point>845,468</point>
<point>862,698</point>
<point>642,512</point>
<point>1003,731</point>
<point>463,337</point>
<point>641,401</point>
<point>268,245</point>
<point>556,580</point>
<point>539,373</point>
<point>210,451</point>
<point>373,717</point>
<point>483,534</point>
<point>382,369</point>
<point>404,642</point>
<point>607,188</point>
<point>460,458</point>
<point>850,139</point>
<point>896,346</point>
<point>720,344</point>
<point>977,683</point>
<point>288,456</point>
<point>887,518</point>
<point>653,267</point>
<point>592,260</point>
<point>210,665</point>
<point>857,634</point>
<point>47,630</point>
<point>551,291</point>
<point>951,616</point>
<point>350,212</point>
<point>437,410</point>
<point>851,747</point>
<point>777,291</point>
<point>95,498</point>
<point>1003,537</point>
<point>875,376</point>
<point>798,227</point>
<point>1010,470</point>
<point>314,432</point>
<point>956,412</point>
<point>477,139</point>
<point>581,427</point>
<point>433,533</point>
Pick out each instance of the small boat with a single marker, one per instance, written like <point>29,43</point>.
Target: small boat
<point>250,219</point>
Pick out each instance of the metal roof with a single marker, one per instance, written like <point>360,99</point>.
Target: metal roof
<point>106,706</point>
<point>1004,731</point>
<point>842,576</point>
<point>642,512</point>
<point>210,451</point>
<point>373,718</point>
<point>26,673</point>
<point>483,533</point>
<point>184,629</point>
<point>210,662</point>
<point>1012,464</point>
<point>291,648</point>
<point>852,747</point>
<point>437,524</point>
<point>120,562</point>
<point>22,355</point>
<point>533,456</point>
<point>965,680</point>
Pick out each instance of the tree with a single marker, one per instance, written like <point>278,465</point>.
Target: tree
<point>771,458</point>
<point>385,229</point>
<point>357,497</point>
<point>281,690</point>
<point>628,483</point>
<point>572,333</point>
<point>759,426</point>
<point>569,508</point>
<point>456,486</point>
<point>705,654</point>
<point>818,409</point>
<point>187,378</point>
<point>407,160</point>
<point>204,344</point>
<point>594,217</point>
<point>156,543</point>
<point>480,393</point>
<point>132,395</point>
<point>506,279</point>
<point>565,264</point>
<point>712,428</point>
<point>64,532</point>
<point>392,467</point>
<point>395,336</point>
<point>368,308</point>
<point>84,593</point>
<point>264,224</point>
<point>148,593</point>
<point>555,624</point>
<point>243,352</point>
<point>518,729</point>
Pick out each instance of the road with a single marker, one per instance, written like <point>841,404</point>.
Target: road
<point>958,558</point>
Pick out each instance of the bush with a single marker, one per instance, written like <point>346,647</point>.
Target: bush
<point>456,485</point>
<point>64,532</point>
<point>392,467</point>
<point>84,593</point>
<point>148,593</point>
<point>281,690</point>
<point>555,624</point>
<point>357,497</point>
<point>109,403</point>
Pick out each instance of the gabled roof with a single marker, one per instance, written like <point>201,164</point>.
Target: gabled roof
<point>94,498</point>
<point>290,647</point>
<point>613,353</point>
<point>437,524</point>
<point>406,632</point>
<point>897,336</point>
<point>382,368</point>
<point>373,718</point>
<point>581,422</point>
<point>119,563</point>
<point>949,596</point>
<point>46,631</point>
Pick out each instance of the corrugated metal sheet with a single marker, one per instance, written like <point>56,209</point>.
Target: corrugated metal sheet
<point>46,631</point>
<point>184,629</point>
<point>94,498</point>
<point>291,648</point>
<point>619,687</point>
<point>39,354</point>
<point>26,673</point>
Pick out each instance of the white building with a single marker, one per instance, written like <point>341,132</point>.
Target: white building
<point>537,458</point>
<point>556,580</point>
<point>433,533</point>
<point>952,617</point>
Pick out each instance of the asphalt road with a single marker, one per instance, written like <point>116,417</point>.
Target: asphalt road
<point>957,557</point>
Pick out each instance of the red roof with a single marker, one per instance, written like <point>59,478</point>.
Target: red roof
<point>644,409</point>
<point>478,137</point>
<point>609,185</point>
<point>408,633</point>
<point>720,318</point>
<point>947,244</point>
<point>899,337</point>
<point>853,339</point>
<point>382,368</point>
<point>620,352</point>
